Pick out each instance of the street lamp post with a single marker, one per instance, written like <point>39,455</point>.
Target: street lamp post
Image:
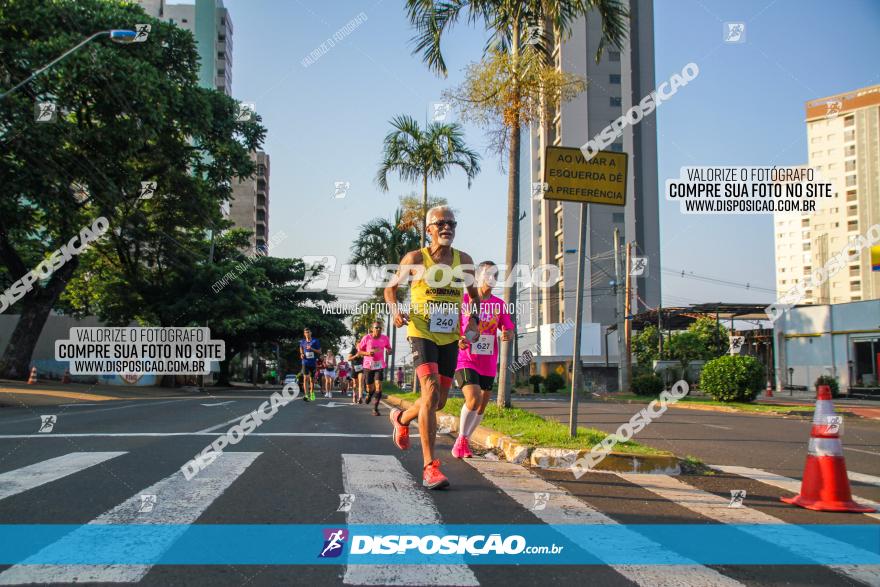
<point>116,35</point>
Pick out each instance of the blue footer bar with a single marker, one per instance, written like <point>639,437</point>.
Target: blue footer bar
<point>529,544</point>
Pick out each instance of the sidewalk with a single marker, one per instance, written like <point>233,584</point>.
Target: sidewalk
<point>864,408</point>
<point>15,393</point>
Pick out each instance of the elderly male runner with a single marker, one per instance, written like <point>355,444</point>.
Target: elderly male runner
<point>437,273</point>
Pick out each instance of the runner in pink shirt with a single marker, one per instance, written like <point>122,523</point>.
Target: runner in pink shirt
<point>373,347</point>
<point>478,361</point>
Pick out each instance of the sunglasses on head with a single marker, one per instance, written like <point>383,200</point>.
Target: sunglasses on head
<point>441,223</point>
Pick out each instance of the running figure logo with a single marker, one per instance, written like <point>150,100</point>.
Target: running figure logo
<point>541,499</point>
<point>148,502</point>
<point>143,31</point>
<point>45,112</point>
<point>639,266</point>
<point>148,189</point>
<point>737,496</point>
<point>334,540</point>
<point>47,423</point>
<point>340,189</point>
<point>734,32</point>
<point>736,344</point>
<point>346,500</point>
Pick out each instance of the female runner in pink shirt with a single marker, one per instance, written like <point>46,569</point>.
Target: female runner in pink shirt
<point>478,361</point>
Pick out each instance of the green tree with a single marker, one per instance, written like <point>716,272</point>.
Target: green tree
<point>382,241</point>
<point>712,335</point>
<point>413,210</point>
<point>127,114</point>
<point>733,378</point>
<point>417,154</point>
<point>686,347</point>
<point>644,346</point>
<point>511,25</point>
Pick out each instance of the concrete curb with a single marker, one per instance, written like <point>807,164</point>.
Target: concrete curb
<point>554,459</point>
<point>724,409</point>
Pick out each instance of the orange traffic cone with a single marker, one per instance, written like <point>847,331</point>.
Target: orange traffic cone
<point>769,391</point>
<point>66,377</point>
<point>825,485</point>
<point>33,378</point>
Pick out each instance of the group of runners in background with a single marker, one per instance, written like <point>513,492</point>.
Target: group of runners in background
<point>361,371</point>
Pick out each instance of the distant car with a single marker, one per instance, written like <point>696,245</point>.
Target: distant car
<point>289,378</point>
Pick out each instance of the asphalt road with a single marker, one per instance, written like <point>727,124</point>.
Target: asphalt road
<point>769,442</point>
<point>293,468</point>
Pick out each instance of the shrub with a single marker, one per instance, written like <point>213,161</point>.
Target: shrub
<point>830,382</point>
<point>647,384</point>
<point>536,381</point>
<point>554,382</point>
<point>733,378</point>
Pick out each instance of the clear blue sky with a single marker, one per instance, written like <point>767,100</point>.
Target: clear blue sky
<point>326,122</point>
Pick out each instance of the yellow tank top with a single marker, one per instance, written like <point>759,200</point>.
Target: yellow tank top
<point>435,301</point>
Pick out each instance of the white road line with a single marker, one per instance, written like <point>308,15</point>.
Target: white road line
<point>219,404</point>
<point>387,494</point>
<point>810,545</point>
<point>863,478</point>
<point>178,501</point>
<point>564,509</point>
<point>867,452</point>
<point>160,434</point>
<point>226,423</point>
<point>20,480</point>
<point>786,483</point>
<point>717,426</point>
<point>116,406</point>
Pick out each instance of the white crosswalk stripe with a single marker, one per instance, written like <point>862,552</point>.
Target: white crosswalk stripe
<point>787,483</point>
<point>563,509</point>
<point>387,494</point>
<point>25,478</point>
<point>810,545</point>
<point>178,502</point>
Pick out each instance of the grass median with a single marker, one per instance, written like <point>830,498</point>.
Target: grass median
<point>533,430</point>
<point>705,401</point>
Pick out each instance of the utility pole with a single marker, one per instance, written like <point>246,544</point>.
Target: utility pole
<point>621,317</point>
<point>576,371</point>
<point>627,376</point>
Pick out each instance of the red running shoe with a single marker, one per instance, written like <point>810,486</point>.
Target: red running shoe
<point>401,432</point>
<point>432,478</point>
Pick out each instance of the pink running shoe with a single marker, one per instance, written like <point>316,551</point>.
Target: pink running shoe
<point>460,449</point>
<point>467,449</point>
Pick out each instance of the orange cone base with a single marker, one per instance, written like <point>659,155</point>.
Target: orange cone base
<point>825,487</point>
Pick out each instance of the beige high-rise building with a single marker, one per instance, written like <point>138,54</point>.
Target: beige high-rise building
<point>843,142</point>
<point>249,207</point>
<point>549,230</point>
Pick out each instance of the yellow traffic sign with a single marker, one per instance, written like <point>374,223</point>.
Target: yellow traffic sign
<point>560,369</point>
<point>569,176</point>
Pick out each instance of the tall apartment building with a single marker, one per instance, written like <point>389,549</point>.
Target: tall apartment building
<point>249,207</point>
<point>549,233</point>
<point>843,143</point>
<point>211,24</point>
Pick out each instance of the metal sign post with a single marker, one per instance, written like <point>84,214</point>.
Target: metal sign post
<point>569,176</point>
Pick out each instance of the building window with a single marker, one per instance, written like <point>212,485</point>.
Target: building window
<point>850,165</point>
<point>849,135</point>
<point>221,38</point>
<point>221,55</point>
<point>852,226</point>
<point>855,285</point>
<point>805,222</point>
<point>614,78</point>
<point>617,217</point>
<point>854,271</point>
<point>849,151</point>
<point>614,56</point>
<point>616,147</point>
<point>615,101</point>
<point>184,20</point>
<point>851,196</point>
<point>851,180</point>
<point>847,122</point>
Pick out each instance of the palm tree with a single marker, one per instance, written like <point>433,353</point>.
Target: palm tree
<point>417,154</point>
<point>383,241</point>
<point>509,22</point>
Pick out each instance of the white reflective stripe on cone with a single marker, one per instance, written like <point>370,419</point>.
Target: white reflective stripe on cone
<point>825,447</point>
